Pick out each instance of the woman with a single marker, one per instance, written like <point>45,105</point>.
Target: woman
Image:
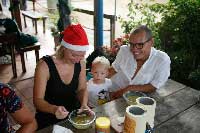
<point>60,80</point>
<point>11,104</point>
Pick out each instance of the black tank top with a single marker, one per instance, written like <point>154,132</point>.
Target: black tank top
<point>58,93</point>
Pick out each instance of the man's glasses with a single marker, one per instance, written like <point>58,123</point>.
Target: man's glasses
<point>138,45</point>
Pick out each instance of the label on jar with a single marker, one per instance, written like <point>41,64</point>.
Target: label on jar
<point>129,125</point>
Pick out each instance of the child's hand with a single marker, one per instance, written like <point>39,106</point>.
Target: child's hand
<point>61,112</point>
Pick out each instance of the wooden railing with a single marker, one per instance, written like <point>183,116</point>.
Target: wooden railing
<point>112,19</point>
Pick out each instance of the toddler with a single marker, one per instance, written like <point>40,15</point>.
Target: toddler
<point>98,85</point>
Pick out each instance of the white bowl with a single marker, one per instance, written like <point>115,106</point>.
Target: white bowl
<point>82,120</point>
<point>131,96</point>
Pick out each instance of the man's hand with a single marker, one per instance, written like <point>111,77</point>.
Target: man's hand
<point>116,94</point>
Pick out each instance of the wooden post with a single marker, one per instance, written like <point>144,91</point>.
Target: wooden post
<point>15,12</point>
<point>112,28</point>
<point>95,25</point>
<point>1,7</point>
<point>99,22</point>
<point>34,5</point>
<point>64,13</point>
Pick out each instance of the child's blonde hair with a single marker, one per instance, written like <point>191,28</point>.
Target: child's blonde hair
<point>101,60</point>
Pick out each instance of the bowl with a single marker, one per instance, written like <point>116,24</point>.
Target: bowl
<point>131,96</point>
<point>82,120</point>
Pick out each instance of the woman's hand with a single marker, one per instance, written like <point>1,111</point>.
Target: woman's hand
<point>84,108</point>
<point>61,112</point>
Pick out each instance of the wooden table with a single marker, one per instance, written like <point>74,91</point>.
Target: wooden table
<point>177,111</point>
<point>34,16</point>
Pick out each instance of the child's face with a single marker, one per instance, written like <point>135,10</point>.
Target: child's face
<point>99,72</point>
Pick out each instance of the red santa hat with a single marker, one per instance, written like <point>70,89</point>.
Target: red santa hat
<point>75,38</point>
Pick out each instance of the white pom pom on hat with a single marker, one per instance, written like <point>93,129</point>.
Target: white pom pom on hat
<point>75,38</point>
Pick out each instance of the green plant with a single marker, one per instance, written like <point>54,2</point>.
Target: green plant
<point>54,17</point>
<point>141,14</point>
<point>179,33</point>
<point>194,78</point>
<point>111,52</point>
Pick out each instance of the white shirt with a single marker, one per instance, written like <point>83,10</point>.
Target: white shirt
<point>155,70</point>
<point>98,93</point>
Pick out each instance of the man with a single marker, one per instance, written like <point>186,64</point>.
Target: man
<point>139,66</point>
<point>11,103</point>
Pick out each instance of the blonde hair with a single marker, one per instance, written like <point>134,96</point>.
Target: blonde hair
<point>101,60</point>
<point>60,51</point>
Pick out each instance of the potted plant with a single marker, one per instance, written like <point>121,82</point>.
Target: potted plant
<point>111,52</point>
<point>54,27</point>
<point>56,36</point>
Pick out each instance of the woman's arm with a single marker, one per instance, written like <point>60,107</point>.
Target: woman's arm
<point>82,88</point>
<point>40,81</point>
<point>26,119</point>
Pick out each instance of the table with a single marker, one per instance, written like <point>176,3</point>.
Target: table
<point>177,111</point>
<point>34,16</point>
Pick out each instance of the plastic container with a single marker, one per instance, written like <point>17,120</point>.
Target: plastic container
<point>135,119</point>
<point>149,104</point>
<point>102,125</point>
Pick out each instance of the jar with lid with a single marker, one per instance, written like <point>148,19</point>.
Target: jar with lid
<point>102,125</point>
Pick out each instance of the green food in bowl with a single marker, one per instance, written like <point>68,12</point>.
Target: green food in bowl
<point>82,120</point>
<point>131,96</point>
<point>132,99</point>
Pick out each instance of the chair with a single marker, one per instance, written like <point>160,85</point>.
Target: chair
<point>21,51</point>
<point>11,39</point>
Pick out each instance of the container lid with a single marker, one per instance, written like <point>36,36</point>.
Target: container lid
<point>103,122</point>
<point>136,111</point>
<point>146,101</point>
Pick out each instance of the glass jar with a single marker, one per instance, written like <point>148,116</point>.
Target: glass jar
<point>102,125</point>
